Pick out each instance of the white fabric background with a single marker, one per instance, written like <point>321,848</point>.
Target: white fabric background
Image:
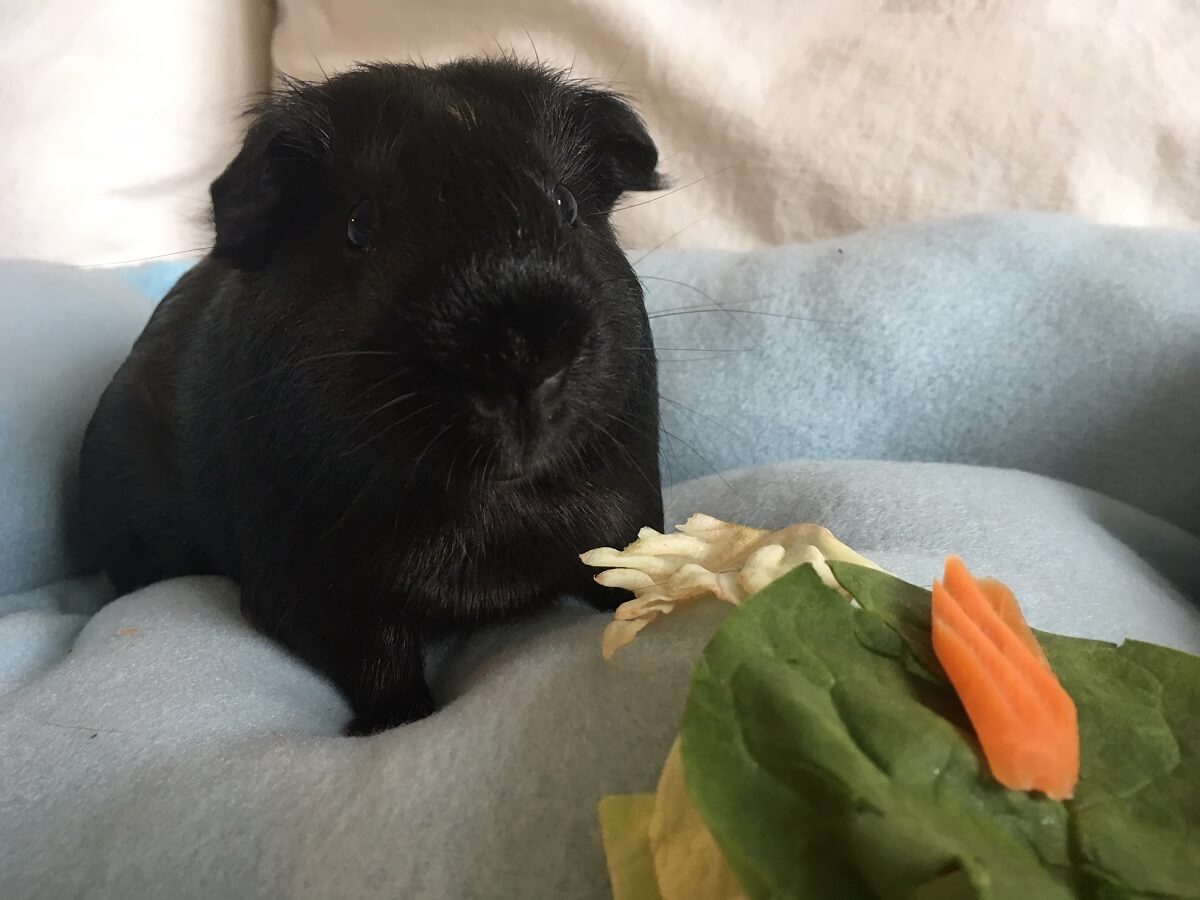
<point>116,116</point>
<point>810,118</point>
<point>842,114</point>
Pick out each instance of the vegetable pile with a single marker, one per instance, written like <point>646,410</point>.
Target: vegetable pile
<point>837,749</point>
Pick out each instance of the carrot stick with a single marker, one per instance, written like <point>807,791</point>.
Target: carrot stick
<point>1005,605</point>
<point>1026,723</point>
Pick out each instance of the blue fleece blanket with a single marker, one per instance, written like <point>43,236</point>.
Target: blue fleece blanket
<point>1021,389</point>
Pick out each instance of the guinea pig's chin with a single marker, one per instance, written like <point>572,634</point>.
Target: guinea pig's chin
<point>511,469</point>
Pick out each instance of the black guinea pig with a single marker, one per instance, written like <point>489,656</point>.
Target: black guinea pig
<point>412,381</point>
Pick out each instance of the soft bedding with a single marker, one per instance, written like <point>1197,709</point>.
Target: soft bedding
<point>1023,390</point>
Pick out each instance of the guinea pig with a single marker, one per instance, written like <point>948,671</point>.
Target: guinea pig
<point>413,379</point>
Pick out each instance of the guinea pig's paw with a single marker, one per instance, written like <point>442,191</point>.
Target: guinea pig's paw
<point>391,715</point>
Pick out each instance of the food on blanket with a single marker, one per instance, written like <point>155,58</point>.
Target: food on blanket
<point>706,557</point>
<point>830,756</point>
<point>398,411</point>
<point>126,632</point>
<point>1023,718</point>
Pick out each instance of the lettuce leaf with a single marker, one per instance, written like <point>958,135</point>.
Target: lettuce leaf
<point>625,828</point>
<point>830,758</point>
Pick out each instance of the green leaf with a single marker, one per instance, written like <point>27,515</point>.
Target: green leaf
<point>1138,808</point>
<point>905,607</point>
<point>830,758</point>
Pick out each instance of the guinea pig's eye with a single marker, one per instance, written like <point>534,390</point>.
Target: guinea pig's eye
<point>360,230</point>
<point>566,204</point>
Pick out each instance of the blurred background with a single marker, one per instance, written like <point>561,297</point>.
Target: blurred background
<point>777,120</point>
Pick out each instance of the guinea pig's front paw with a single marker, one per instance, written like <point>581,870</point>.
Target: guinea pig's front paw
<point>371,723</point>
<point>390,715</point>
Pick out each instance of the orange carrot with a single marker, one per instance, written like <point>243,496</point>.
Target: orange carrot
<point>1005,605</point>
<point>1025,721</point>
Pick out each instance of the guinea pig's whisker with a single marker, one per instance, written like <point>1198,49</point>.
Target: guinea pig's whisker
<point>623,450</point>
<point>612,79</point>
<point>421,456</point>
<point>732,310</point>
<point>711,299</point>
<point>308,360</point>
<point>642,429</point>
<point>714,350</point>
<point>385,406</point>
<point>682,187</point>
<point>685,310</point>
<point>669,456</point>
<point>377,474</point>
<point>670,434</point>
<point>400,572</point>
<point>358,496</point>
<point>704,352</point>
<point>474,456</point>
<point>742,311</point>
<point>666,452</point>
<point>308,489</point>
<point>707,296</point>
<point>398,373</point>
<point>707,461</point>
<point>736,311</point>
<point>358,448</point>
<point>641,259</point>
<point>453,463</point>
<point>666,361</point>
<point>709,419</point>
<point>347,353</point>
<point>134,262</point>
<point>371,389</point>
<point>366,485</point>
<point>485,470</point>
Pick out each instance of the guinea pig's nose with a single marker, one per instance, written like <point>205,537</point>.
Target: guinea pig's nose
<point>522,398</point>
<point>550,391</point>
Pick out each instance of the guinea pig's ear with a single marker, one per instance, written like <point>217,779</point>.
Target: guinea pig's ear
<point>625,148</point>
<point>246,197</point>
<point>254,200</point>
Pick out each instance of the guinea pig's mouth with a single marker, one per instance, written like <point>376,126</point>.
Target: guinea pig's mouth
<point>523,466</point>
<point>506,477</point>
<point>527,442</point>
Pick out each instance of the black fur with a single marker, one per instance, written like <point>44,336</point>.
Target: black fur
<point>386,445</point>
